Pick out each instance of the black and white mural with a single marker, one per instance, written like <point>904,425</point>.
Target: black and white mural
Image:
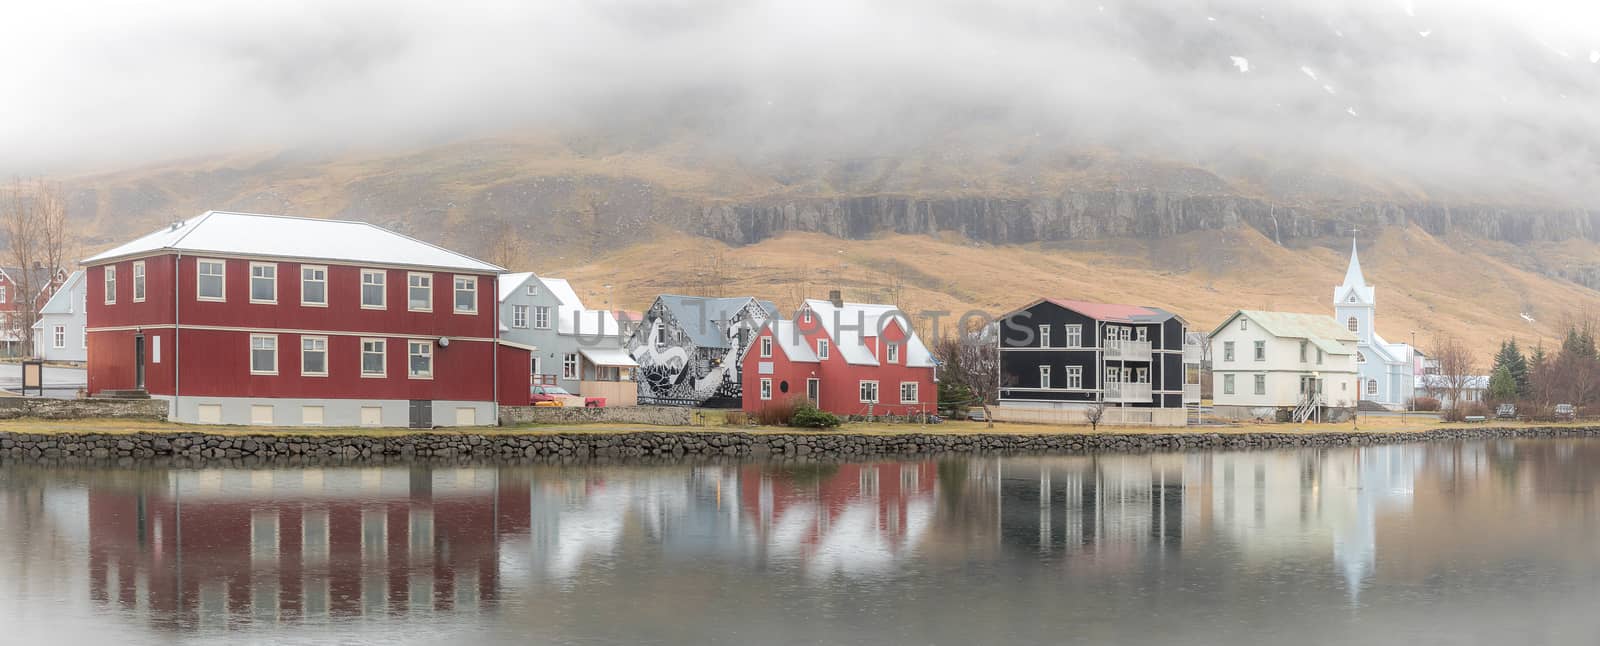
<point>688,349</point>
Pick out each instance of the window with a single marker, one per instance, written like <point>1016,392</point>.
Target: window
<point>869,392</point>
<point>263,354</point>
<point>421,359</point>
<point>766,347</point>
<point>86,338</point>
<point>1372,387</point>
<point>138,281</point>
<point>374,357</point>
<point>372,289</point>
<point>209,280</point>
<point>1144,334</point>
<point>1044,376</point>
<point>263,282</point>
<point>466,294</point>
<point>541,318</point>
<point>1304,345</point>
<point>111,285</point>
<point>1074,336</point>
<point>1261,384</point>
<point>1361,358</point>
<point>519,316</point>
<point>908,392</point>
<point>1142,375</point>
<point>314,356</point>
<point>1261,350</point>
<point>1227,351</point>
<point>569,366</point>
<point>766,389</point>
<point>1227,384</point>
<point>1319,356</point>
<point>894,353</point>
<point>805,315</point>
<point>1353,324</point>
<point>1244,324</point>
<point>59,337</point>
<point>419,292</point>
<point>533,289</point>
<point>1075,377</point>
<point>822,348</point>
<point>1044,336</point>
<point>2,293</point>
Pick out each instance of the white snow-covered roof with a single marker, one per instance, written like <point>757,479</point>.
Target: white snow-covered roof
<point>62,302</point>
<point>510,284</point>
<point>852,324</point>
<point>281,236</point>
<point>608,357</point>
<point>791,342</point>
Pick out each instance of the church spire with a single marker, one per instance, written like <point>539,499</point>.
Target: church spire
<point>1352,276</point>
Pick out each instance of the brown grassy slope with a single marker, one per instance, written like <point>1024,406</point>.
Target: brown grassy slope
<point>1423,283</point>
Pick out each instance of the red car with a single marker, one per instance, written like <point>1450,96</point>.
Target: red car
<point>558,396</point>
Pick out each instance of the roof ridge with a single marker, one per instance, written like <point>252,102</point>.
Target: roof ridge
<point>418,241</point>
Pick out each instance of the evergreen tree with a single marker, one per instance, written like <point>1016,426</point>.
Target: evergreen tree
<point>1502,386</point>
<point>1517,365</point>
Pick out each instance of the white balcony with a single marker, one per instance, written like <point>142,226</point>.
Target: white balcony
<point>1191,393</point>
<point>1121,392</point>
<point>1117,350</point>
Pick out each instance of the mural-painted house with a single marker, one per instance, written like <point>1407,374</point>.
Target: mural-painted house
<point>852,359</point>
<point>61,333</point>
<point>575,347</point>
<point>688,349</point>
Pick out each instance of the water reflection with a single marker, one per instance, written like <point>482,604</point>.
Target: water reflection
<point>521,546</point>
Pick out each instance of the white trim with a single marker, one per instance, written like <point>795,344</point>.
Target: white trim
<point>230,328</point>
<point>1074,373</point>
<point>109,281</point>
<point>1044,378</point>
<point>252,355</point>
<point>303,281</point>
<point>822,349</point>
<point>766,388</point>
<point>455,294</point>
<point>571,359</point>
<point>139,287</point>
<point>916,392</point>
<point>411,353</point>
<point>876,395</point>
<point>383,291</point>
<point>222,279</point>
<point>383,351</point>
<point>1044,335</point>
<point>891,353</point>
<point>766,347</point>
<point>58,337</point>
<point>325,354</point>
<point>251,288</point>
<point>537,311</point>
<point>419,274</point>
<point>524,310</point>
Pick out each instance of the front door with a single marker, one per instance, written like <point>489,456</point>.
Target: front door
<point>138,362</point>
<point>814,391</point>
<point>421,413</point>
<point>1308,386</point>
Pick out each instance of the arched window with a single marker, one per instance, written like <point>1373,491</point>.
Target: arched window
<point>1372,387</point>
<point>1353,324</point>
<point>1361,358</point>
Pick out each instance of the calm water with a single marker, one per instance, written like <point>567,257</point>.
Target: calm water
<point>1491,543</point>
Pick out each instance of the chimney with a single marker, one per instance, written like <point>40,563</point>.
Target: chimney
<point>835,298</point>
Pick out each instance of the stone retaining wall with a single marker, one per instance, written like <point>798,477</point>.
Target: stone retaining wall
<point>655,415</point>
<point>42,408</point>
<point>583,446</point>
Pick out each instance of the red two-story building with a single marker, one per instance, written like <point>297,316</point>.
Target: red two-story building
<point>847,358</point>
<point>240,318</point>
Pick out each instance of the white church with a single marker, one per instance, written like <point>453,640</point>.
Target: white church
<point>1385,370</point>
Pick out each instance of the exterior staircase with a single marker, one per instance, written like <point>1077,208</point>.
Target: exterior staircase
<point>1306,408</point>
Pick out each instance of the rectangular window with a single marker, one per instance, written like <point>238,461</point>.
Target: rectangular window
<point>822,348</point>
<point>2,293</point>
<point>541,317</point>
<point>1144,334</point>
<point>263,283</point>
<point>1303,354</point>
<point>314,356</point>
<point>1075,377</point>
<point>86,338</point>
<point>1044,376</point>
<point>1227,351</point>
<point>373,285</point>
<point>111,285</point>
<point>419,292</point>
<point>466,294</point>
<point>533,289</point>
<point>766,347</point>
<point>138,281</point>
<point>908,392</point>
<point>421,359</point>
<point>1142,375</point>
<point>1044,336</point>
<point>210,280</point>
<point>263,354</point>
<point>374,360</point>
<point>1074,336</point>
<point>59,338</point>
<point>1261,384</point>
<point>766,389</point>
<point>313,285</point>
<point>519,316</point>
<point>569,366</point>
<point>869,392</point>
<point>1319,356</point>
<point>1261,350</point>
<point>1227,384</point>
<point>894,353</point>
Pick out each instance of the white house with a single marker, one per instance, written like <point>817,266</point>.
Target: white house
<point>1284,366</point>
<point>59,334</point>
<point>1387,370</point>
<point>577,348</point>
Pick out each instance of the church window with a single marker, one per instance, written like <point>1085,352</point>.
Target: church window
<point>1353,324</point>
<point>1361,358</point>
<point>1352,298</point>
<point>1372,387</point>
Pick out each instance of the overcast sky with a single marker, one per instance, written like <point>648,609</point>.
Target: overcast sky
<point>1450,90</point>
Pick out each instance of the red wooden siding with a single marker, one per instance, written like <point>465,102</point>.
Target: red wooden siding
<point>840,381</point>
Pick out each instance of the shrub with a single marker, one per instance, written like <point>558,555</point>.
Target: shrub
<point>776,413</point>
<point>1470,409</point>
<point>735,418</point>
<point>1424,404</point>
<point>807,415</point>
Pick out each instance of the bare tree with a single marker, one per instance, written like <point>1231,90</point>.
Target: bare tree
<point>1093,414</point>
<point>1456,370</point>
<point>34,219</point>
<point>506,247</point>
<point>972,360</point>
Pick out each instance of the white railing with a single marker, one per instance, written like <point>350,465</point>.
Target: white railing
<point>1117,350</point>
<point>1191,393</point>
<point>1127,392</point>
<point>1192,353</point>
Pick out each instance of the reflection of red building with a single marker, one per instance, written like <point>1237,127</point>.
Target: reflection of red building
<point>206,548</point>
<point>804,504</point>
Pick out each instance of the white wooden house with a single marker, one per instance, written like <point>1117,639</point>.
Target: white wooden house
<point>1283,366</point>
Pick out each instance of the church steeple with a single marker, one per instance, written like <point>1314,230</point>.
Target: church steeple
<point>1354,290</point>
<point>1352,276</point>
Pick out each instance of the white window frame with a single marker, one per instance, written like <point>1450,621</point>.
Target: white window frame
<point>303,281</point>
<point>464,284</point>
<point>111,284</point>
<point>412,347</point>
<point>822,349</point>
<point>3,292</point>
<point>1074,334</point>
<point>1372,387</point>
<point>383,289</point>
<point>532,289</point>
<point>304,351</point>
<point>861,390</point>
<point>766,347</point>
<point>1141,375</point>
<point>58,337</point>
<point>1044,336</point>
<point>1044,377</point>
<point>1227,351</point>
<point>1353,324</point>
<point>1227,385</point>
<point>766,389</point>
<point>138,281</point>
<point>200,275</point>
<point>382,351</point>
<point>1260,349</point>
<point>805,315</point>
<point>1074,377</point>
<point>519,317</point>
<point>411,283</point>
<point>570,368</point>
<point>914,390</point>
<point>1260,383</point>
<point>252,355</point>
<point>541,317</point>
<point>1143,334</point>
<point>893,352</point>
<point>252,287</point>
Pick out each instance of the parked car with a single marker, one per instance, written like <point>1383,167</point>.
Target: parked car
<point>977,415</point>
<point>1566,411</point>
<point>1506,411</point>
<point>540,395</point>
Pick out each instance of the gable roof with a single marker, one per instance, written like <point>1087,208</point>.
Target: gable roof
<point>1354,281</point>
<point>511,283</point>
<point>1319,329</point>
<point>695,315</point>
<point>1111,312</point>
<point>283,236</point>
<point>38,278</point>
<point>850,325</point>
<point>789,341</point>
<point>61,302</point>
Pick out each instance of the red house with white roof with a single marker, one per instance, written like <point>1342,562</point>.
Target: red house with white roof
<point>847,358</point>
<point>240,318</point>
